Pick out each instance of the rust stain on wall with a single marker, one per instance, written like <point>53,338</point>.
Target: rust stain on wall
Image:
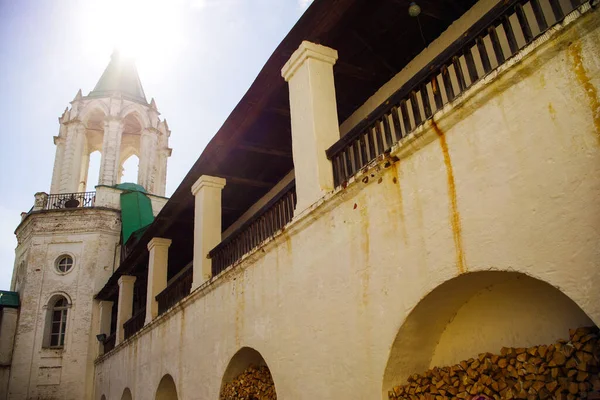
<point>584,80</point>
<point>454,214</point>
<point>366,247</point>
<point>239,309</point>
<point>397,181</point>
<point>552,111</point>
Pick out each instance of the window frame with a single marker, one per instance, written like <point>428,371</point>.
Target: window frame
<point>56,326</point>
<point>60,259</point>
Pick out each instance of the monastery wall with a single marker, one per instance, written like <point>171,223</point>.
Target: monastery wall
<point>479,231</point>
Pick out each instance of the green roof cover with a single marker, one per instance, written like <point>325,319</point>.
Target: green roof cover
<point>136,209</point>
<point>134,187</point>
<point>9,299</point>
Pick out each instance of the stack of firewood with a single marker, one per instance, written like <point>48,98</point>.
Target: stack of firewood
<point>564,370</point>
<point>255,383</point>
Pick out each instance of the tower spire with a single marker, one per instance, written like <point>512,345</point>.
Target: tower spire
<point>120,76</point>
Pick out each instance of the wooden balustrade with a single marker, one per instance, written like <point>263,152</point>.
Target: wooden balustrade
<point>494,38</point>
<point>265,223</point>
<point>134,324</point>
<point>176,291</point>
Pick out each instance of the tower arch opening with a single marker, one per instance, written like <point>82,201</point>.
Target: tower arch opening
<point>129,169</point>
<point>248,370</point>
<point>479,313</point>
<point>166,389</point>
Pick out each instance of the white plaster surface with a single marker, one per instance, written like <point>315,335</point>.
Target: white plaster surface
<point>507,180</point>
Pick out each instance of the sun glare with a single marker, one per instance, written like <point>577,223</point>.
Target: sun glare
<point>151,31</point>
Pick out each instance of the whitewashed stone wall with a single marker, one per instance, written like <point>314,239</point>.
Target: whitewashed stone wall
<point>500,194</point>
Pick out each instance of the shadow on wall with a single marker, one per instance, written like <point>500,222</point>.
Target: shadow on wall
<point>166,389</point>
<point>476,313</point>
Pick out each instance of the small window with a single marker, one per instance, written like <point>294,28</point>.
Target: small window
<point>64,263</point>
<point>58,322</point>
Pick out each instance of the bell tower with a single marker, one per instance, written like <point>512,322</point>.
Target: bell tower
<point>116,120</point>
<point>69,243</point>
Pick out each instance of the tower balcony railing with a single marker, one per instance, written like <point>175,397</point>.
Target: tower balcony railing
<point>70,200</point>
<point>487,44</point>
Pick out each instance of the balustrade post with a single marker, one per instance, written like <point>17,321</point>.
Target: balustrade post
<point>124,305</point>
<point>158,261</point>
<point>41,200</point>
<point>105,308</point>
<point>315,127</point>
<point>207,225</point>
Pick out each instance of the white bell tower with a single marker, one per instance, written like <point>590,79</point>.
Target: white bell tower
<point>69,242</point>
<point>116,120</point>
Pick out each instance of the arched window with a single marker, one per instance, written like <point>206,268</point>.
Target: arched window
<point>56,322</point>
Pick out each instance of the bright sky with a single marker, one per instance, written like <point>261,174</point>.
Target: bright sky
<point>195,57</point>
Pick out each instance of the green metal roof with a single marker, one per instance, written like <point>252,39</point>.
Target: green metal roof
<point>9,299</point>
<point>120,76</point>
<point>132,187</point>
<point>136,213</point>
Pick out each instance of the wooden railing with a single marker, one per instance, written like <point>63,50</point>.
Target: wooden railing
<point>265,223</point>
<point>70,200</point>
<point>134,324</point>
<point>498,35</point>
<point>109,343</point>
<point>176,291</point>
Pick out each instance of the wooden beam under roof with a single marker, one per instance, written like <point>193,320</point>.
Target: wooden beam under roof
<point>255,148</point>
<point>247,182</point>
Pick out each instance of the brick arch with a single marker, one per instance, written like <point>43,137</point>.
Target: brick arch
<point>241,360</point>
<point>476,313</point>
<point>126,395</point>
<point>166,389</point>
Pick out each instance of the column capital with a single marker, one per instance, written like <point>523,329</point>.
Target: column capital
<point>126,279</point>
<point>161,242</point>
<point>304,52</point>
<point>208,181</point>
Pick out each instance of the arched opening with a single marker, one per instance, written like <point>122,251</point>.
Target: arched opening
<point>166,389</point>
<point>476,314</point>
<point>126,394</point>
<point>93,172</point>
<point>249,374</point>
<point>103,397</point>
<point>129,169</point>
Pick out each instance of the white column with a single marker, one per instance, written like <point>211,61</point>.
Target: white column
<point>207,224</point>
<point>124,305</point>
<point>58,161</point>
<point>71,166</point>
<point>111,149</point>
<point>315,126</point>
<point>105,318</point>
<point>158,260</point>
<point>160,181</point>
<point>148,143</point>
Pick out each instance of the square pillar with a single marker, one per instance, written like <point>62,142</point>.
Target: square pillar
<point>207,224</point>
<point>158,261</point>
<point>8,328</point>
<point>315,126</point>
<point>124,305</point>
<point>105,308</point>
